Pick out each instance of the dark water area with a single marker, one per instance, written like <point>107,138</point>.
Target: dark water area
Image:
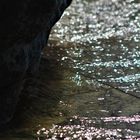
<point>88,86</point>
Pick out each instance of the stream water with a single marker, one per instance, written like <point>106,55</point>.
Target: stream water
<point>88,85</point>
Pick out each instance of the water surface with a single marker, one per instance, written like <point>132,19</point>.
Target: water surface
<point>88,86</point>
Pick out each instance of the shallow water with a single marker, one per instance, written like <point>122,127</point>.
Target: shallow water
<point>89,81</point>
<point>109,33</point>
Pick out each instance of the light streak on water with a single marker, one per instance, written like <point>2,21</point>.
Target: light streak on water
<point>83,128</point>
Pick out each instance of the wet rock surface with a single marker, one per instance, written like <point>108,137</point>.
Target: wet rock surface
<point>24,30</point>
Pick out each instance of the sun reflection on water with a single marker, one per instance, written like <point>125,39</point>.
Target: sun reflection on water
<point>103,49</point>
<point>84,128</point>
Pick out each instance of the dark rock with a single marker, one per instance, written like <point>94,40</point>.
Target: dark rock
<point>24,30</point>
